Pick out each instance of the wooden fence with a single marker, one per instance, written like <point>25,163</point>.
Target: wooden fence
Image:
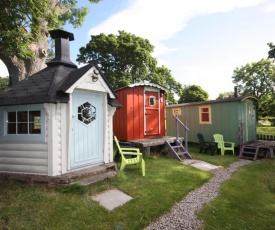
<point>264,137</point>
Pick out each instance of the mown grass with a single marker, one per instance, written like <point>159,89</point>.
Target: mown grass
<point>266,130</point>
<point>218,160</point>
<point>167,181</point>
<point>246,201</point>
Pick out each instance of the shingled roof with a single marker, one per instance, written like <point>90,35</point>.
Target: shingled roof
<point>50,84</point>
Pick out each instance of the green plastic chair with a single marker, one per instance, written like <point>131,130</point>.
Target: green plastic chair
<point>223,145</point>
<point>130,156</point>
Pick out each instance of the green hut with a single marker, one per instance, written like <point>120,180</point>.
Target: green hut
<point>233,117</point>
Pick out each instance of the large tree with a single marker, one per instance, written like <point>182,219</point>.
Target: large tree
<point>125,59</point>
<point>258,79</point>
<point>24,27</point>
<point>193,93</point>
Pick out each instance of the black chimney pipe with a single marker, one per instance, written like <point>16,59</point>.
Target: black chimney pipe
<point>62,48</point>
<point>236,91</point>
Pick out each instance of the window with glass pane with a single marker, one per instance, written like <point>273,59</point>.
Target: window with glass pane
<point>12,123</point>
<point>205,114</point>
<point>34,122</point>
<point>24,122</point>
<point>152,100</point>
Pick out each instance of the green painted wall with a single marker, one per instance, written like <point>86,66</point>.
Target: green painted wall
<point>226,120</point>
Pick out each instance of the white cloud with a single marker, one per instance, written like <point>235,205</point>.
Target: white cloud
<point>270,8</point>
<point>160,20</point>
<point>213,80</point>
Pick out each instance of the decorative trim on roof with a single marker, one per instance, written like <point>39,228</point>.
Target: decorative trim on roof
<point>144,84</point>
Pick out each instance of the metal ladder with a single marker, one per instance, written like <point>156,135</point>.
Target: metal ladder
<point>177,149</point>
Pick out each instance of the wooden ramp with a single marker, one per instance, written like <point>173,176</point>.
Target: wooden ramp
<point>256,150</point>
<point>249,152</point>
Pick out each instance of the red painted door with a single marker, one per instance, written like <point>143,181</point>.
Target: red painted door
<point>152,115</point>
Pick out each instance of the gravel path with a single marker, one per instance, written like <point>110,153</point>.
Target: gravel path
<point>182,214</point>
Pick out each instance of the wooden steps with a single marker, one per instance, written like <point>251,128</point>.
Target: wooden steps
<point>249,152</point>
<point>177,150</point>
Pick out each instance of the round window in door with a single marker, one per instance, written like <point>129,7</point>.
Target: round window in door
<point>86,113</point>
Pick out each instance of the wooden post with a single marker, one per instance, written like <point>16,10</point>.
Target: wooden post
<point>186,137</point>
<point>177,129</point>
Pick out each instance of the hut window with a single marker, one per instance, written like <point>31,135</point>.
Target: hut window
<point>251,110</point>
<point>152,100</point>
<point>24,122</point>
<point>205,114</point>
<point>86,113</point>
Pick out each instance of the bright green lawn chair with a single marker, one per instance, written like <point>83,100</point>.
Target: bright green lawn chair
<point>130,156</point>
<point>223,145</point>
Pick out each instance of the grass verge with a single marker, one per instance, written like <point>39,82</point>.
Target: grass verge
<point>218,160</point>
<point>266,130</point>
<point>246,201</point>
<point>167,181</point>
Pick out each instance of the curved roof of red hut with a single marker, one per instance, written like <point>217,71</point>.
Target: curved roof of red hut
<point>143,84</point>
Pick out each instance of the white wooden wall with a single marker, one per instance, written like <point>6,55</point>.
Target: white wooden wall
<point>23,157</point>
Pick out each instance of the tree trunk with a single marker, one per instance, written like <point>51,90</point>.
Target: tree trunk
<point>21,69</point>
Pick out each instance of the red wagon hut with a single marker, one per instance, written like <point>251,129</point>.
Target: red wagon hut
<point>142,112</point>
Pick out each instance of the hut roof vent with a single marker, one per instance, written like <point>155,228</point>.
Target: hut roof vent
<point>236,91</point>
<point>62,48</point>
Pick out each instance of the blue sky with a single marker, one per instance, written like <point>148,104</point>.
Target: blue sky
<point>200,41</point>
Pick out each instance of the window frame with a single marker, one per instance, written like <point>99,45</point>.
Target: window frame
<point>201,121</point>
<point>4,135</point>
<point>154,100</point>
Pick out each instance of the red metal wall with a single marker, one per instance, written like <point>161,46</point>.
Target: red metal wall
<point>129,120</point>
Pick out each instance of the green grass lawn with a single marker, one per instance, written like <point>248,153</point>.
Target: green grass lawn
<point>266,130</point>
<point>167,181</point>
<point>247,199</point>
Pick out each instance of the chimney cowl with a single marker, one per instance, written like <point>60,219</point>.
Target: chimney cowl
<point>236,91</point>
<point>62,48</point>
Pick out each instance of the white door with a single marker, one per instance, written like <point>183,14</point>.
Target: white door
<point>87,136</point>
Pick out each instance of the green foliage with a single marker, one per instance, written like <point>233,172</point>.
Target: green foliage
<point>4,83</point>
<point>271,52</point>
<point>24,22</point>
<point>225,95</point>
<point>266,130</point>
<point>267,105</point>
<point>193,93</point>
<point>125,59</point>
<point>258,79</point>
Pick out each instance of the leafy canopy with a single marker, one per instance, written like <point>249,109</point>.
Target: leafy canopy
<point>24,22</point>
<point>258,79</point>
<point>193,93</point>
<point>125,59</point>
<point>225,95</point>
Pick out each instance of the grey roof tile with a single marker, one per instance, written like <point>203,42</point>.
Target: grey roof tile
<point>47,86</point>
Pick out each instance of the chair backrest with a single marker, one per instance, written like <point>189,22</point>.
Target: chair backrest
<point>218,137</point>
<point>201,139</point>
<point>117,144</point>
